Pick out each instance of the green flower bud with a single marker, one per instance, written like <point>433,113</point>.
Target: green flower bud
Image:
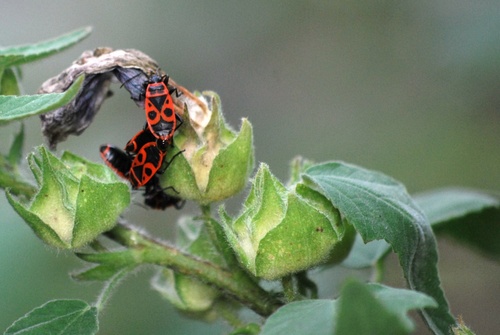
<point>76,201</point>
<point>184,292</point>
<point>217,161</point>
<point>283,230</point>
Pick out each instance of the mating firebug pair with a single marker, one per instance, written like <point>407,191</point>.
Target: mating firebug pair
<point>145,152</point>
<point>139,164</point>
<point>140,161</point>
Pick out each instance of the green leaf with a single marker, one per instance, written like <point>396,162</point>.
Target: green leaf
<point>58,317</point>
<point>449,204</point>
<point>377,309</point>
<point>16,149</point>
<point>109,264</point>
<point>361,313</point>
<point>470,216</point>
<point>249,329</point>
<point>8,83</point>
<point>379,207</point>
<point>365,255</point>
<point>17,107</point>
<point>397,301</point>
<point>17,55</point>
<point>302,317</point>
<point>361,309</point>
<point>97,273</point>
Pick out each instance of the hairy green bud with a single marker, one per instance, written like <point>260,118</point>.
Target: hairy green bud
<point>216,162</point>
<point>283,230</point>
<point>76,200</point>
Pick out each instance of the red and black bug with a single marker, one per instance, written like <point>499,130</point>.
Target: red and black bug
<point>139,164</point>
<point>118,160</point>
<point>148,157</point>
<point>139,140</point>
<point>154,195</point>
<point>159,107</point>
<point>146,164</point>
<point>156,94</point>
<point>140,161</point>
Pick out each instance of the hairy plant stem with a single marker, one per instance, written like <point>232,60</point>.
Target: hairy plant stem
<point>235,283</point>
<point>288,288</point>
<point>378,271</point>
<point>108,289</point>
<point>219,239</point>
<point>306,285</point>
<point>10,179</point>
<point>227,311</point>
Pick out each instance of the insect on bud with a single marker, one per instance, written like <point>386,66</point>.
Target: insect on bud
<point>217,161</point>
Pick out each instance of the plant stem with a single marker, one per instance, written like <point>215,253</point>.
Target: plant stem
<point>17,186</point>
<point>288,288</point>
<point>109,288</point>
<point>378,271</point>
<point>227,311</point>
<point>218,239</point>
<point>235,283</point>
<point>97,246</point>
<point>305,284</point>
<point>211,227</point>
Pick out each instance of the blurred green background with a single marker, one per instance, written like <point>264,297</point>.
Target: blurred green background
<point>410,88</point>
